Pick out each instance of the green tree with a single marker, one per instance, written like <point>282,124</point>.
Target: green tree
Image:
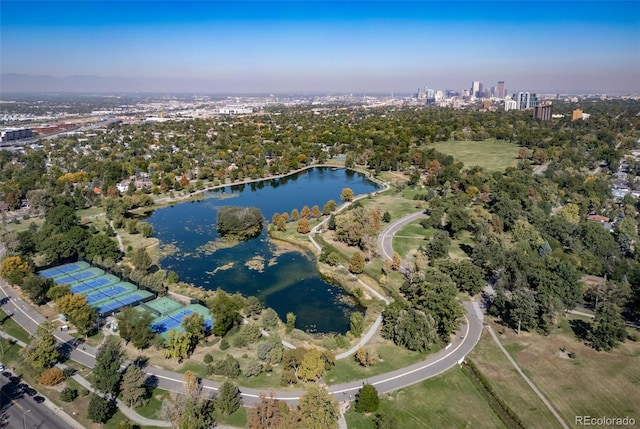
<point>141,259</point>
<point>356,323</point>
<point>135,326</point>
<point>386,217</point>
<point>228,400</point>
<point>524,309</point>
<point>608,328</point>
<point>438,246</point>
<point>253,307</point>
<point>367,400</point>
<point>178,345</point>
<point>100,409</point>
<point>457,220</point>
<point>467,276</point>
<point>84,319</point>
<point>436,294</point>
<point>58,291</point>
<point>36,288</point>
<point>103,246</point>
<point>228,367</point>
<point>270,318</point>
<point>42,352</point>
<point>194,325</point>
<point>133,389</point>
<point>318,409</point>
<point>291,322</point>
<point>109,357</point>
<point>356,263</point>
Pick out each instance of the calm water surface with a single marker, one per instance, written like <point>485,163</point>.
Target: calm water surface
<point>287,281</point>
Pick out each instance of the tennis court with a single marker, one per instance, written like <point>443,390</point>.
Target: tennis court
<point>78,276</point>
<point>162,306</point>
<point>111,291</point>
<point>110,305</point>
<point>94,283</point>
<point>165,324</point>
<point>63,269</point>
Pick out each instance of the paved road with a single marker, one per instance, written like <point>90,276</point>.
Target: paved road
<point>469,335</point>
<point>385,239</point>
<point>21,411</point>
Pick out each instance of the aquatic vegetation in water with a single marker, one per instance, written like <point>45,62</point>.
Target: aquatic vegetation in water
<point>256,263</point>
<point>210,247</point>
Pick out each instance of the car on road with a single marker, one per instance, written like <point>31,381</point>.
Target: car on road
<point>6,374</point>
<point>39,399</point>
<point>30,391</point>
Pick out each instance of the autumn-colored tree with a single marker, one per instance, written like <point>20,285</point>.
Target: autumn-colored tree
<point>395,261</point>
<point>346,194</point>
<point>315,211</point>
<point>329,207</point>
<point>275,217</point>
<point>365,357</point>
<point>281,224</point>
<point>14,269</point>
<point>312,366</point>
<point>51,377</point>
<point>191,383</point>
<point>356,263</point>
<point>294,214</point>
<point>305,212</point>
<point>523,153</point>
<point>67,304</point>
<point>303,226</point>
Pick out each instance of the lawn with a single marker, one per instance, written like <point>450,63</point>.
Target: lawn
<point>491,154</point>
<point>594,383</point>
<point>390,357</point>
<point>449,400</point>
<point>9,326</point>
<point>411,236</point>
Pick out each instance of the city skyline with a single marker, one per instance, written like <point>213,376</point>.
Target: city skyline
<point>275,47</point>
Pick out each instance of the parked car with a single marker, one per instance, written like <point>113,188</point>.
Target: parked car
<point>38,399</point>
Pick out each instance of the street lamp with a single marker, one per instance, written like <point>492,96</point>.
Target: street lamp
<point>24,424</point>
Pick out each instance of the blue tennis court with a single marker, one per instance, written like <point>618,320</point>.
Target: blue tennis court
<point>108,307</point>
<point>165,325</point>
<point>180,315</point>
<point>96,296</point>
<point>87,285</point>
<point>75,277</point>
<point>63,269</point>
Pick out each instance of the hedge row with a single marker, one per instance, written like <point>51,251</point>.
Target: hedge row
<point>504,408</point>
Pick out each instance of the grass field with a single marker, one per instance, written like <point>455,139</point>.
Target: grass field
<point>8,325</point>
<point>594,383</point>
<point>390,357</point>
<point>449,400</point>
<point>493,155</point>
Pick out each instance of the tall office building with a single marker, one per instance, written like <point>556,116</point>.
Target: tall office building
<point>475,88</point>
<point>500,91</point>
<point>526,100</point>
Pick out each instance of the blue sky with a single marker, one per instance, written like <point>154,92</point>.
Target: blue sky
<point>328,46</point>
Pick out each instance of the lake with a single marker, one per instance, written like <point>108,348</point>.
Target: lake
<point>284,279</point>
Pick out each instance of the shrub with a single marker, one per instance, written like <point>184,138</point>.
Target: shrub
<point>68,394</point>
<point>51,377</point>
<point>224,344</point>
<point>253,368</point>
<point>299,335</point>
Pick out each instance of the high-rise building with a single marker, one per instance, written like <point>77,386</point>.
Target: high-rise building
<point>475,88</point>
<point>501,93</point>
<point>526,100</point>
<point>510,105</point>
<point>543,111</point>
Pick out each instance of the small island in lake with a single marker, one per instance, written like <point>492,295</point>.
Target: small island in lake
<point>241,223</point>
